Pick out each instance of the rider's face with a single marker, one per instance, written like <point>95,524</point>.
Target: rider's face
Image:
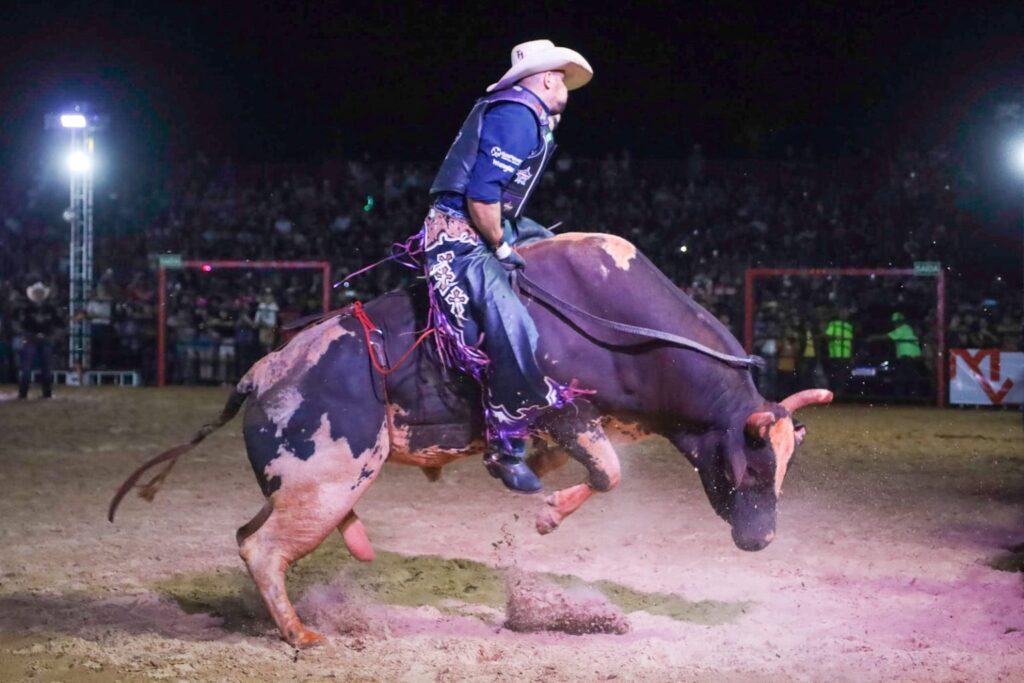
<point>555,82</point>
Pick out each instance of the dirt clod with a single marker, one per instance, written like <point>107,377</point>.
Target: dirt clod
<point>535,604</point>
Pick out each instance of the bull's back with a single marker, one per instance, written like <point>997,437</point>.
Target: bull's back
<point>609,277</point>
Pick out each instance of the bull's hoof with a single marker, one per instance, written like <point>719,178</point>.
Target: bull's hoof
<point>548,518</point>
<point>303,638</point>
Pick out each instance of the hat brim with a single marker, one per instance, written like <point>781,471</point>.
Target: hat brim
<point>577,70</point>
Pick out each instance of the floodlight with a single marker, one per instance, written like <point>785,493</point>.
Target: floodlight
<point>1016,155</point>
<point>72,120</point>
<point>79,162</point>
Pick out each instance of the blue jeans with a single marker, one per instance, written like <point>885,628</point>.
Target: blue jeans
<point>41,348</point>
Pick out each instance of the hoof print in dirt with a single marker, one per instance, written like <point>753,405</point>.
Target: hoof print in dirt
<point>538,605</point>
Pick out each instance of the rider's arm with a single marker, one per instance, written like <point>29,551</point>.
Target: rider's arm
<point>486,219</point>
<point>508,134</point>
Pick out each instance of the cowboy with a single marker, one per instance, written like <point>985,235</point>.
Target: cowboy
<point>478,197</point>
<point>38,322</point>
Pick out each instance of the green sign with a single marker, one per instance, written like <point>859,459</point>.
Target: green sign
<point>169,260</point>
<point>929,268</point>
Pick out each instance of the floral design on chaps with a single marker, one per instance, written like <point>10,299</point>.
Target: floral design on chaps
<point>444,280</point>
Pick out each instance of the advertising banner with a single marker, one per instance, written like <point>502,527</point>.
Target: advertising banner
<point>986,377</point>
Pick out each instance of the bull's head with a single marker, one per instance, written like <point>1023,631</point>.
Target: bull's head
<point>743,468</point>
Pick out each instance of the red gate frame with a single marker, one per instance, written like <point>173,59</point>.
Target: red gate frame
<point>940,306</point>
<point>323,266</point>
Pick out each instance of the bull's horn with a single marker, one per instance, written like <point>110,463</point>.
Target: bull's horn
<point>758,424</point>
<point>807,397</point>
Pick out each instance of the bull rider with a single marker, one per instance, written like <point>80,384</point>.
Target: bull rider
<point>476,215</point>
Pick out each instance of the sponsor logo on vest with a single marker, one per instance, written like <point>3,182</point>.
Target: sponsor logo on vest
<point>499,153</point>
<point>503,166</point>
<point>523,176</point>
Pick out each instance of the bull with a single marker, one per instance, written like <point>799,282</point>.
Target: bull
<point>320,421</point>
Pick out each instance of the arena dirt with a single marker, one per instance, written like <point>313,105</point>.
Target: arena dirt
<point>897,557</point>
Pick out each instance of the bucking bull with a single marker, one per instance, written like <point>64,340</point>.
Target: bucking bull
<point>320,420</point>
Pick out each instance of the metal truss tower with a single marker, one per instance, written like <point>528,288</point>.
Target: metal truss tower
<point>81,125</point>
<point>80,250</point>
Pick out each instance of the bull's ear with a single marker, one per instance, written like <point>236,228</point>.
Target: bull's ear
<point>799,432</point>
<point>758,424</point>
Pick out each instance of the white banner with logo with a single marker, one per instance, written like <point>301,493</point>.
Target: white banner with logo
<point>987,377</point>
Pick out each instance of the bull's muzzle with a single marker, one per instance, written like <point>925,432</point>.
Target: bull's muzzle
<point>752,518</point>
<point>751,543</point>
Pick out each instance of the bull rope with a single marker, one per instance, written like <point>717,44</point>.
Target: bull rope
<point>368,326</point>
<point>535,291</point>
<point>409,254</point>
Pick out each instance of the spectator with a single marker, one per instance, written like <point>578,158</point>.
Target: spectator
<point>839,337</point>
<point>266,320</point>
<point>38,321</point>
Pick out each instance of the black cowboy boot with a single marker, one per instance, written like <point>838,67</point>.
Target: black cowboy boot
<point>511,467</point>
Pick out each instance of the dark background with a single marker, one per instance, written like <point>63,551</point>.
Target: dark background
<point>272,81</point>
<point>281,80</point>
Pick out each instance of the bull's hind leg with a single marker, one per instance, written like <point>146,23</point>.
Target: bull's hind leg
<point>286,536</point>
<point>582,437</point>
<point>316,497</point>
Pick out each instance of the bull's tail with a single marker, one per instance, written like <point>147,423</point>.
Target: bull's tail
<point>149,489</point>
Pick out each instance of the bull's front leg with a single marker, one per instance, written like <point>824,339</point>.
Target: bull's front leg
<point>580,433</point>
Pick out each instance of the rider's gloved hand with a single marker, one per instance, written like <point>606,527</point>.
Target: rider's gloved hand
<point>508,257</point>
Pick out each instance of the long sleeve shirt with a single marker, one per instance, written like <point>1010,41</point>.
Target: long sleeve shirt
<point>509,133</point>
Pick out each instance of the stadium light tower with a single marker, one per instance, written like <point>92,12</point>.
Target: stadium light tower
<point>1016,159</point>
<point>81,126</point>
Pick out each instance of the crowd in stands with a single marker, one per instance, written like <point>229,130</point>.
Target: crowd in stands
<point>703,222</point>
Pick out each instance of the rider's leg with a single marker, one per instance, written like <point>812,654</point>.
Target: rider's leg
<point>472,290</point>
<point>516,390</point>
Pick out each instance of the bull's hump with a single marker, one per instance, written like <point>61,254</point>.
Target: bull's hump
<point>622,251</point>
<point>617,264</point>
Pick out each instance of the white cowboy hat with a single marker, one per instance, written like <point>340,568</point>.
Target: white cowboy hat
<point>536,56</point>
<point>37,293</point>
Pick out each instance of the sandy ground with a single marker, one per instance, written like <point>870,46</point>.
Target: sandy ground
<point>882,568</point>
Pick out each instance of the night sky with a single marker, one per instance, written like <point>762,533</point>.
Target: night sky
<point>299,81</point>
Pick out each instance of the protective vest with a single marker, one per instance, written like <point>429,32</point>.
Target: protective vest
<point>453,176</point>
<point>840,339</point>
<point>906,342</point>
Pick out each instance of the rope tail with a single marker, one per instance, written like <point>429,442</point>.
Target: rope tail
<point>170,456</point>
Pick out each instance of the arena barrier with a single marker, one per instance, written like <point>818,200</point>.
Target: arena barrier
<point>93,378</point>
<point>987,377</point>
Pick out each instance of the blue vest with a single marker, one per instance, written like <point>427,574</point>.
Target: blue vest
<point>453,176</point>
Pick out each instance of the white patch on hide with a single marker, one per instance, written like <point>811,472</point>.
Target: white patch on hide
<point>331,471</point>
<point>281,406</point>
<point>298,355</point>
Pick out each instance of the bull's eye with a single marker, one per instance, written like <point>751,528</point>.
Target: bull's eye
<point>757,443</point>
